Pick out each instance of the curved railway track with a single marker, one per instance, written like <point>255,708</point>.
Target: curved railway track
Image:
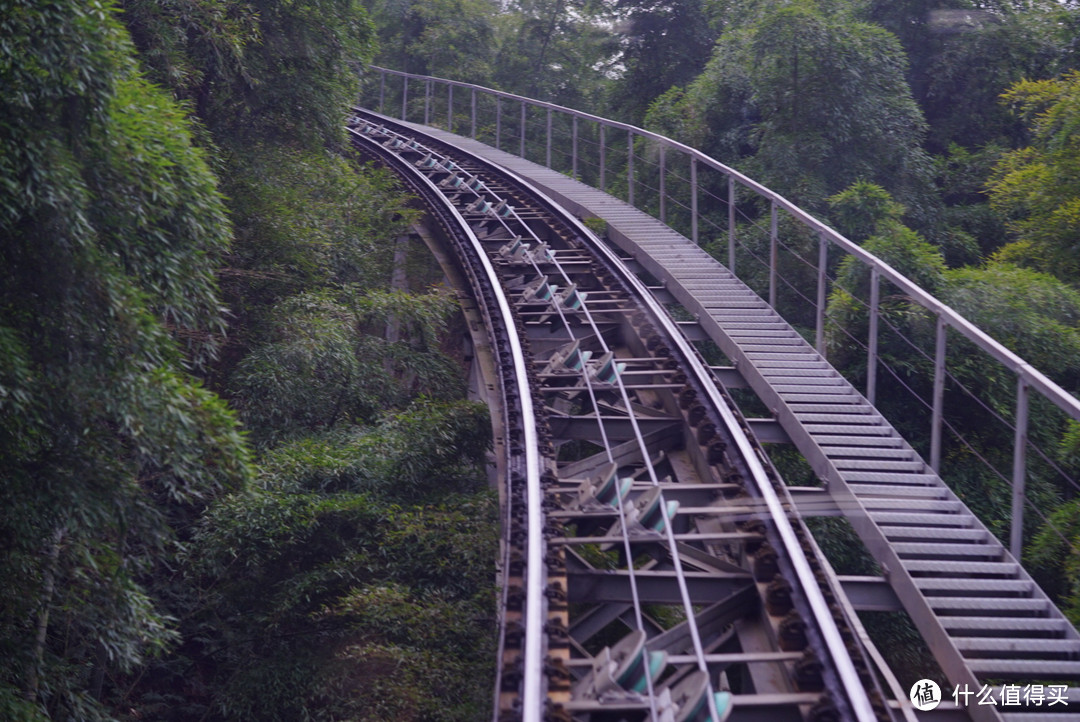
<point>652,567</point>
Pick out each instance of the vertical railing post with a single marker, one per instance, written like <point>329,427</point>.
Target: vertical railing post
<point>472,102</point>
<point>603,158</point>
<point>936,413</point>
<point>731,222</point>
<point>574,148</point>
<point>498,121</point>
<point>822,278</point>
<point>774,251</point>
<point>693,200</point>
<point>872,341</point>
<point>548,154</point>
<point>1016,530</point>
<point>522,148</point>
<point>663,186</point>
<point>450,107</point>
<point>382,89</point>
<point>427,101</point>
<point>630,167</point>
<point>404,95</point>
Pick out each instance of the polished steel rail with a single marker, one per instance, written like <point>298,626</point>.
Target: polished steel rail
<point>532,693</point>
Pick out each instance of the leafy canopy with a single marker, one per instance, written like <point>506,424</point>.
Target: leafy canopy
<point>1038,187</point>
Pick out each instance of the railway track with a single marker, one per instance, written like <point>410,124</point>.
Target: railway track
<point>653,568</point>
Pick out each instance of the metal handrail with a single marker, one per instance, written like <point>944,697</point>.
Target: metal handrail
<point>1028,377</point>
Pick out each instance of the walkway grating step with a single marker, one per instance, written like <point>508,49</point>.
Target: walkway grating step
<point>879,465</point>
<point>733,307</point>
<point>797,375</point>
<point>889,478</point>
<point>1044,648</point>
<point>772,355</point>
<point>741,315</point>
<point>937,587</point>
<point>810,385</point>
<point>1025,669</point>
<point>775,325</point>
<point>913,550</point>
<point>826,398</point>
<point>839,411</point>
<point>920,533</point>
<point>933,506</point>
<point>878,442</point>
<point>766,345</point>
<point>858,416</point>
<point>993,606</point>
<point>898,492</point>
<point>1002,626</point>
<point>752,334</point>
<point>944,518</point>
<point>933,566</point>
<point>794,384</point>
<point>866,452</point>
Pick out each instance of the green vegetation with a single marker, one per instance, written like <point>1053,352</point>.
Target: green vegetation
<point>187,252</point>
<point>240,479</point>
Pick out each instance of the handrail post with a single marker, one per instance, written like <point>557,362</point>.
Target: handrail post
<point>937,411</point>
<point>473,103</point>
<point>450,107</point>
<point>498,121</point>
<point>603,158</point>
<point>404,95</point>
<point>630,167</point>
<point>382,89</point>
<point>774,251</point>
<point>693,200</point>
<point>1016,525</point>
<point>822,277</point>
<point>522,153</point>
<point>663,187</point>
<point>731,222</point>
<point>574,148</point>
<point>549,137</point>
<point>427,101</point>
<point>872,341</point>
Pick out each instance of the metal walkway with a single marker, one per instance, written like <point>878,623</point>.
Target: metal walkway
<point>988,624</point>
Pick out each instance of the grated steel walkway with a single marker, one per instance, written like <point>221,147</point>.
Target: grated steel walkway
<point>987,623</point>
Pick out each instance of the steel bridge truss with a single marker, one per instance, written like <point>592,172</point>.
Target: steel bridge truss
<point>678,583</point>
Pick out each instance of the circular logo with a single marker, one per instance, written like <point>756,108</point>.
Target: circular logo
<point>925,695</point>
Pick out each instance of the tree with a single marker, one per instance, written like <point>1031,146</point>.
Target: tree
<point>662,45</point>
<point>110,228</point>
<point>327,360</point>
<point>555,50</point>
<point>445,38</point>
<point>808,100</point>
<point>1036,187</point>
<point>963,54</point>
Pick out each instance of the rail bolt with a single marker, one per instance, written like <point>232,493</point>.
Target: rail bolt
<point>765,565</point>
<point>792,632</point>
<point>778,597</point>
<point>808,677</point>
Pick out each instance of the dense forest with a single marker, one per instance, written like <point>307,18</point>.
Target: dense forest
<point>241,478</point>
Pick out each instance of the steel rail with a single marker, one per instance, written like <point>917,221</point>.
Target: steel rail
<point>850,683</point>
<point>625,538</point>
<point>532,693</point>
<point>695,635</point>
